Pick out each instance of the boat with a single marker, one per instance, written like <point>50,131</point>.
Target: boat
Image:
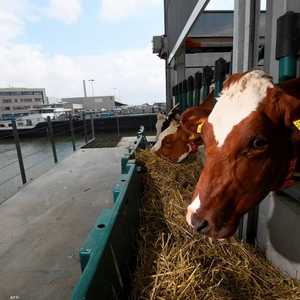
<point>23,123</point>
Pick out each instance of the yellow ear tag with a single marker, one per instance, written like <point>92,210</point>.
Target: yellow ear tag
<point>199,128</point>
<point>297,124</point>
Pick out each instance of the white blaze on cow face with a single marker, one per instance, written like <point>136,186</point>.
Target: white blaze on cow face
<point>237,101</point>
<point>170,130</point>
<point>192,209</point>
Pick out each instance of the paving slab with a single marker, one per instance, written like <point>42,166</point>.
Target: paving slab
<point>45,223</point>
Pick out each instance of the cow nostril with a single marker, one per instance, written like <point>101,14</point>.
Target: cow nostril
<point>202,225</point>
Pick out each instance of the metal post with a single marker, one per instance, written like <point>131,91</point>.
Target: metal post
<point>251,34</point>
<point>287,45</point>
<point>221,69</point>
<point>190,95</point>
<point>93,126</point>
<point>198,86</point>
<point>19,152</point>
<point>275,9</point>
<point>180,95</point>
<point>85,128</point>
<point>118,125</point>
<point>72,133</point>
<point>51,137</point>
<point>208,74</point>
<point>175,91</point>
<point>252,220</point>
<point>184,95</point>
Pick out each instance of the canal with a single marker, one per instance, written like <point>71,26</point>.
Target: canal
<point>38,159</point>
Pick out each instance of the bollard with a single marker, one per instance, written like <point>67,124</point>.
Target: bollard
<point>51,137</point>
<point>198,86</point>
<point>208,75</point>
<point>288,44</point>
<point>221,69</point>
<point>190,94</point>
<point>184,95</point>
<point>72,133</point>
<point>19,151</point>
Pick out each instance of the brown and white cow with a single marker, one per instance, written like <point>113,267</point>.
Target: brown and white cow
<point>251,143</point>
<point>176,142</point>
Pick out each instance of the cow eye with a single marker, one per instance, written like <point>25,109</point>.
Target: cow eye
<point>259,143</point>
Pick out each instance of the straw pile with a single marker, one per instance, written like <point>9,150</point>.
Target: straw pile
<point>174,263</point>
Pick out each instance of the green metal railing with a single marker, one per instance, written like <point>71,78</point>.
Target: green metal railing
<point>288,44</point>
<point>107,256</point>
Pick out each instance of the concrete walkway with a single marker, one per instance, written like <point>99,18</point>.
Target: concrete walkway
<point>44,225</point>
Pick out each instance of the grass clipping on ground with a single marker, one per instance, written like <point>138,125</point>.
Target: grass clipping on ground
<point>174,263</point>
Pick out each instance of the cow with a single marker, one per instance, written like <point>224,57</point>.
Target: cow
<point>251,141</point>
<point>176,142</point>
<point>161,118</point>
<point>164,121</point>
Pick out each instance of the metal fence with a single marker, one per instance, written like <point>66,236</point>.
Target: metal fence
<point>17,162</point>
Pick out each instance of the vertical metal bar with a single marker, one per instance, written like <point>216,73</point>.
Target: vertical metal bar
<point>252,11</point>
<point>72,133</point>
<point>92,126</point>
<point>85,128</point>
<point>252,223</point>
<point>118,125</point>
<point>51,137</point>
<point>19,152</point>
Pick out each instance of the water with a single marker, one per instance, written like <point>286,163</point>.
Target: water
<point>38,159</point>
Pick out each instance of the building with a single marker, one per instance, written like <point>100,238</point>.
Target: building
<point>97,103</point>
<point>16,102</point>
<point>209,37</point>
<point>275,226</point>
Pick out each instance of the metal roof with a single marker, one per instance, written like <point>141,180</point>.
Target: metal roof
<point>219,24</point>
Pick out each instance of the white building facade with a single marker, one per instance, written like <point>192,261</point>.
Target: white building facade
<point>93,104</point>
<point>16,102</point>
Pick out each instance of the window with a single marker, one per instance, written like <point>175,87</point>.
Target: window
<point>37,99</point>
<point>38,93</point>
<point>6,108</point>
<point>7,101</point>
<point>26,100</point>
<point>20,107</point>
<point>5,93</point>
<point>16,100</point>
<point>27,93</point>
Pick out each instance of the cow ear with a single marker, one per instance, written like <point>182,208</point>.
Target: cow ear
<point>192,124</point>
<point>285,109</point>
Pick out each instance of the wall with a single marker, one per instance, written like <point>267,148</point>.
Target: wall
<point>279,231</point>
<point>279,216</point>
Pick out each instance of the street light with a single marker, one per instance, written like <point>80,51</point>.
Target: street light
<point>92,85</point>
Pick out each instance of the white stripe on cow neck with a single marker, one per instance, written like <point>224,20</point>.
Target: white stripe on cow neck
<point>170,130</point>
<point>237,102</point>
<point>184,155</point>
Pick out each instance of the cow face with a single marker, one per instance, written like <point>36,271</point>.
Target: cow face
<point>172,144</point>
<point>250,142</point>
<point>177,141</point>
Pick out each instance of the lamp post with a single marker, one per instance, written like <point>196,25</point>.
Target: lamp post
<point>92,85</point>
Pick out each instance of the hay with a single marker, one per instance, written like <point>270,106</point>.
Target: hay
<point>174,263</point>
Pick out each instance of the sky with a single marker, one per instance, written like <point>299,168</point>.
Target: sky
<point>56,44</point>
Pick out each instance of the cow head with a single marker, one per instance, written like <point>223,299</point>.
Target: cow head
<point>177,141</point>
<point>250,141</point>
